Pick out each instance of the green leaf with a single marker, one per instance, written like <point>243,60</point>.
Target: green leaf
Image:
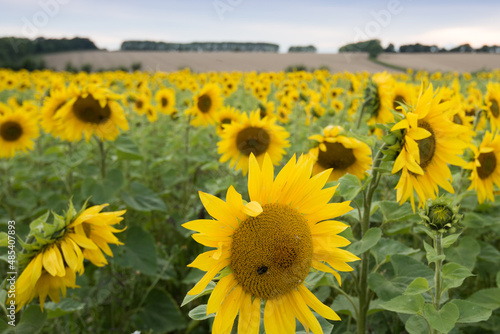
<point>189,298</point>
<point>489,298</point>
<point>453,275</point>
<point>200,313</point>
<point>326,326</point>
<point>416,325</point>
<point>405,304</point>
<point>349,187</point>
<point>465,253</point>
<point>498,279</point>
<point>418,286</point>
<point>431,254</point>
<point>342,305</point>
<point>443,320</point>
<point>160,314</point>
<point>385,289</point>
<point>385,248</point>
<point>4,239</point>
<point>126,148</point>
<point>471,312</point>
<point>143,199</point>
<point>370,239</point>
<point>32,320</point>
<point>139,251</point>
<point>409,268</point>
<point>450,240</point>
<point>66,306</point>
<point>393,212</point>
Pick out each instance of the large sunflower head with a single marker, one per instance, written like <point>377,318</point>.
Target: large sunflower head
<point>18,129</point>
<point>345,155</point>
<point>486,167</point>
<point>92,111</point>
<point>268,246</point>
<point>430,141</point>
<point>492,102</point>
<point>252,135</point>
<point>205,105</point>
<point>402,93</point>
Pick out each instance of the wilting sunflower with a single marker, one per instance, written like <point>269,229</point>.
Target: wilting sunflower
<point>252,135</point>
<point>17,131</point>
<point>492,102</point>
<point>430,142</point>
<point>344,154</point>
<point>206,104</point>
<point>268,246</point>
<point>90,111</point>
<point>225,116</point>
<point>60,249</point>
<point>165,100</point>
<point>486,167</point>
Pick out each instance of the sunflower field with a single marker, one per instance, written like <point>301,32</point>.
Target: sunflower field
<point>278,202</point>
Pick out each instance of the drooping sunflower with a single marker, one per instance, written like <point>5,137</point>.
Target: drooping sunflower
<point>268,247</point>
<point>165,100</point>
<point>92,111</point>
<point>59,251</point>
<point>486,167</point>
<point>225,116</point>
<point>206,104</point>
<point>18,129</point>
<point>252,135</point>
<point>343,154</point>
<point>430,142</point>
<point>492,102</point>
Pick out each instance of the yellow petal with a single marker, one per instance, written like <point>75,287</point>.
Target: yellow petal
<point>313,302</point>
<point>253,209</point>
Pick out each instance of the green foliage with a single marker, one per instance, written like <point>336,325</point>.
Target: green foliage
<point>372,47</point>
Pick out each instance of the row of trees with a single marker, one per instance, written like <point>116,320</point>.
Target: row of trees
<point>199,46</point>
<point>374,48</point>
<point>19,53</point>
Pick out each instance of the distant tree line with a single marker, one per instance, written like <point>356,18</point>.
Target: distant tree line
<point>374,48</point>
<point>22,53</point>
<point>309,48</point>
<point>199,46</point>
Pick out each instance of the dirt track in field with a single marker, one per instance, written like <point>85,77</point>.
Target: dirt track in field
<point>226,61</point>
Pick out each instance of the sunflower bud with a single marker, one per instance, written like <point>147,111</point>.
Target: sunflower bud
<point>440,216</point>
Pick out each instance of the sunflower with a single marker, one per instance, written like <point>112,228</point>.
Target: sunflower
<point>165,100</point>
<point>337,105</point>
<point>51,106</point>
<point>56,256</point>
<point>225,116</point>
<point>252,135</point>
<point>343,154</point>
<point>17,131</point>
<point>380,94</point>
<point>90,111</point>
<point>268,246</point>
<point>430,141</point>
<point>266,108</point>
<point>492,102</point>
<point>140,103</point>
<point>205,106</point>
<point>486,167</point>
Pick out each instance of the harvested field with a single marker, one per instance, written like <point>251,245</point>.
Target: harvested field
<point>227,61</point>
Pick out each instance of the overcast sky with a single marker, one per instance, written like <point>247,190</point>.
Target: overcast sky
<point>322,23</point>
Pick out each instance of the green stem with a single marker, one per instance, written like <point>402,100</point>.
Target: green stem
<point>438,246</point>
<point>102,153</point>
<point>477,119</point>
<point>186,163</point>
<point>364,292</point>
<point>362,111</point>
